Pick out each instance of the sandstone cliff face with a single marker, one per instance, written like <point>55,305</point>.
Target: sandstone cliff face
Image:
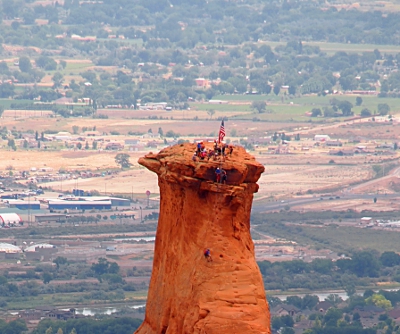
<point>187,293</point>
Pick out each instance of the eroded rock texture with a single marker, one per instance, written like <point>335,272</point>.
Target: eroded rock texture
<point>187,293</point>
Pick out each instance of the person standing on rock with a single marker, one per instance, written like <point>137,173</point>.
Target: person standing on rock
<point>207,255</point>
<point>230,150</point>
<point>224,176</point>
<point>223,151</point>
<point>218,174</point>
<point>198,148</point>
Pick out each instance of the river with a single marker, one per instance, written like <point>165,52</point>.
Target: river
<point>90,311</point>
<point>322,295</point>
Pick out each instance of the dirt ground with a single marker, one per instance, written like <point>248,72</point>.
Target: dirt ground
<point>136,180</point>
<point>312,169</point>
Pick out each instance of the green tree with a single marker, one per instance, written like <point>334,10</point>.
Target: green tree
<point>315,112</point>
<point>287,320</point>
<point>86,146</point>
<point>309,302</point>
<point>46,277</point>
<point>334,299</point>
<point>13,327</point>
<point>345,107</point>
<point>94,145</point>
<point>390,259</point>
<point>103,266</point>
<point>79,146</point>
<point>276,323</point>
<point>25,64</point>
<point>25,144</point>
<point>365,112</point>
<point>365,264</point>
<point>63,64</point>
<point>287,330</point>
<point>57,79</point>
<point>332,316</point>
<point>75,129</point>
<point>383,109</point>
<point>277,89</point>
<point>60,331</point>
<point>260,106</point>
<point>292,90</point>
<point>49,330</point>
<point>211,112</point>
<point>60,260</point>
<point>11,144</point>
<point>379,301</point>
<point>122,159</point>
<point>359,101</point>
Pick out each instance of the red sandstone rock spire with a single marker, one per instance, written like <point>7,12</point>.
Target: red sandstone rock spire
<point>188,294</point>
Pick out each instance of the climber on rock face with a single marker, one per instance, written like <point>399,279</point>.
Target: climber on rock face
<point>224,176</point>
<point>218,174</point>
<point>198,149</point>
<point>207,255</point>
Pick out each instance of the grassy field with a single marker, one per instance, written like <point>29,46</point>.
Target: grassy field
<point>77,66</point>
<point>295,108</point>
<point>66,299</point>
<point>6,103</point>
<point>343,238</point>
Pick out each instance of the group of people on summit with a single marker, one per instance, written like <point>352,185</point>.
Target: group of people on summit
<point>220,151</point>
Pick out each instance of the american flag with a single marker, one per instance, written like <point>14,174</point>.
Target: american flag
<point>222,133</point>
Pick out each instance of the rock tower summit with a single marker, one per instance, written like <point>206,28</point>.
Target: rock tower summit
<point>188,293</point>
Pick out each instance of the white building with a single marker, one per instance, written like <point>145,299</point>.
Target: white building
<point>9,218</point>
<point>321,138</point>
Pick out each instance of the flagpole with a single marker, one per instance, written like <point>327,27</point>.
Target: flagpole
<point>221,133</point>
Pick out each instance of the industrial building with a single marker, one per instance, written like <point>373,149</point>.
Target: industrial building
<point>79,205</point>
<point>9,218</point>
<point>115,201</point>
<point>9,248</point>
<point>35,248</point>
<point>23,205</point>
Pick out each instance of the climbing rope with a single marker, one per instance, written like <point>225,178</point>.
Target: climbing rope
<point>216,202</point>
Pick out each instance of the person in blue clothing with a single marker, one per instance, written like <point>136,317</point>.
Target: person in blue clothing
<point>218,175</point>
<point>207,255</point>
<point>198,148</point>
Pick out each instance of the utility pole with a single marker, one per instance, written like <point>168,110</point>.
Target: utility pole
<point>29,209</point>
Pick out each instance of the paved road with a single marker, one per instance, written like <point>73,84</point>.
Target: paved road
<point>395,172</point>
